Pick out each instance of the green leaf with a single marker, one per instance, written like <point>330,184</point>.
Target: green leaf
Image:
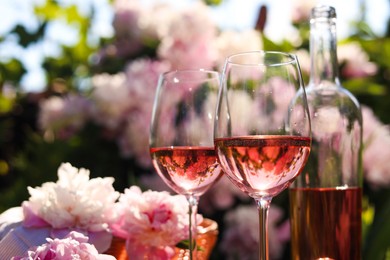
<point>365,86</point>
<point>377,241</point>
<point>25,37</point>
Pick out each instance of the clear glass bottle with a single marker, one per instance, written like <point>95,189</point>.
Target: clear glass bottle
<point>326,199</point>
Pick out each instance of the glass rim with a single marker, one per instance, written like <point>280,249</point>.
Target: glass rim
<point>291,58</point>
<point>186,71</point>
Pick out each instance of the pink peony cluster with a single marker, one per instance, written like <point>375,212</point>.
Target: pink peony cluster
<point>74,246</point>
<point>183,38</point>
<point>74,202</point>
<point>151,222</point>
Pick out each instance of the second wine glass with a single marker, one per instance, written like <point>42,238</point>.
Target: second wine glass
<point>262,127</point>
<point>181,136</point>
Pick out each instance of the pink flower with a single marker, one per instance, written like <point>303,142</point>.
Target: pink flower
<point>141,81</point>
<point>151,221</point>
<point>73,246</point>
<point>301,10</point>
<point>74,201</point>
<point>136,23</point>
<point>61,117</point>
<point>187,43</point>
<point>356,61</point>
<point>376,156</point>
<point>231,42</point>
<point>241,237</point>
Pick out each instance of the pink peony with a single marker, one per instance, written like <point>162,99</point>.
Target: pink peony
<point>74,201</point>
<point>61,117</point>
<point>376,159</point>
<point>151,222</point>
<point>141,81</point>
<point>231,42</point>
<point>187,43</point>
<point>73,246</point>
<point>136,23</point>
<point>357,63</point>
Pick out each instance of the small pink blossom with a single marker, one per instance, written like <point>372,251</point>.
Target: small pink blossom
<point>74,246</point>
<point>151,221</point>
<point>74,201</point>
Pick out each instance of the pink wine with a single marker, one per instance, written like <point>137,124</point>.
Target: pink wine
<point>326,223</point>
<point>262,165</point>
<point>187,170</point>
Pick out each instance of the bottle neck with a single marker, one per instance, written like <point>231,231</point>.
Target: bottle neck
<point>323,51</point>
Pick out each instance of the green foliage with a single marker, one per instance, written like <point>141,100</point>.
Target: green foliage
<point>11,71</point>
<point>213,2</point>
<point>26,38</point>
<point>377,243</point>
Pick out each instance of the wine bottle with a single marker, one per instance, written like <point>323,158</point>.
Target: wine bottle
<point>326,199</point>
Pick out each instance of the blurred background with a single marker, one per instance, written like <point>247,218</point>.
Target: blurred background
<point>77,83</point>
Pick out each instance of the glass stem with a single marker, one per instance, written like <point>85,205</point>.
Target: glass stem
<point>193,211</point>
<point>263,205</point>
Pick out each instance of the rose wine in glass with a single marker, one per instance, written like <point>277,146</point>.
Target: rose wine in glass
<point>262,127</point>
<point>181,136</point>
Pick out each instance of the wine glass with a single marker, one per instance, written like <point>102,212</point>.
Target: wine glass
<point>262,127</point>
<point>181,136</point>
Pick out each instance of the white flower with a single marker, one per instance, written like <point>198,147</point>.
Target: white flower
<point>74,201</point>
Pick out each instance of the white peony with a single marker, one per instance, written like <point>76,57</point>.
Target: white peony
<point>74,201</point>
